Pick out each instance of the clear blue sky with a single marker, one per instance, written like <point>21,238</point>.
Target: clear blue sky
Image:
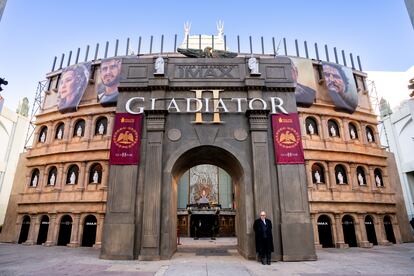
<point>33,32</point>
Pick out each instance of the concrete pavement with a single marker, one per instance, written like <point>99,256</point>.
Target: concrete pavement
<point>204,257</point>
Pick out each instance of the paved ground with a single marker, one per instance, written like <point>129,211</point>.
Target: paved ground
<point>204,257</point>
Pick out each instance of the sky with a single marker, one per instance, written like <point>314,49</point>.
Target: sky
<point>32,33</point>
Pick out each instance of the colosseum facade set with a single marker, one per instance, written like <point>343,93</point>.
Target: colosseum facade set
<point>208,150</point>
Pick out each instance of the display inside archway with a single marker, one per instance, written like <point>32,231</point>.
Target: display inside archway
<point>204,184</point>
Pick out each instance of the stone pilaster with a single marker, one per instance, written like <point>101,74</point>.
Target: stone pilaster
<point>361,232</point>
<point>53,228</point>
<point>74,237</point>
<point>315,231</point>
<point>380,230</point>
<point>83,177</point>
<point>150,240</point>
<point>261,170</point>
<point>339,243</point>
<point>60,177</point>
<point>99,229</point>
<point>32,230</point>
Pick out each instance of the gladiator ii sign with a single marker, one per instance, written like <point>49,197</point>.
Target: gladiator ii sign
<point>286,139</point>
<point>126,139</point>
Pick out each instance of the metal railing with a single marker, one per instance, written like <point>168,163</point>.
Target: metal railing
<point>259,46</point>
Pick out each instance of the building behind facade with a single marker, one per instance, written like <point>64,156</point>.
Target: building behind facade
<point>13,128</point>
<point>216,164</point>
<point>398,135</point>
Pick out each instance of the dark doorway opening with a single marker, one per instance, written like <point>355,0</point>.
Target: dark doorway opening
<point>204,225</point>
<point>65,230</point>
<point>370,228</point>
<point>325,231</point>
<point>389,232</point>
<point>24,231</point>
<point>43,229</point>
<point>89,231</point>
<point>349,231</point>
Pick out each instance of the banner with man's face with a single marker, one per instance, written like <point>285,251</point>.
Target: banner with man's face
<point>109,75</point>
<point>72,84</point>
<point>341,86</point>
<point>302,73</point>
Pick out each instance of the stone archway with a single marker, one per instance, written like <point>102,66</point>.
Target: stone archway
<point>325,231</point>
<point>212,155</point>
<point>370,229</point>
<point>349,231</point>
<point>24,231</point>
<point>65,230</point>
<point>89,231</point>
<point>389,231</point>
<point>43,230</point>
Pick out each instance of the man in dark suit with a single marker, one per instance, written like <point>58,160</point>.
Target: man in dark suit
<point>264,238</point>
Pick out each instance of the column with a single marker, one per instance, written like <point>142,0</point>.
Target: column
<point>41,180</point>
<point>368,178</point>
<point>308,169</point>
<point>89,128</point>
<point>349,176</point>
<point>345,130</point>
<point>340,243</point>
<point>361,232</point>
<point>99,228</point>
<point>396,229</point>
<point>110,126</point>
<point>67,129</point>
<point>74,236</point>
<point>18,228</point>
<point>51,231</point>
<point>371,176</point>
<point>49,135</point>
<point>31,236</point>
<point>324,132</point>
<point>150,240</point>
<point>61,179</point>
<point>380,231</point>
<point>331,176</point>
<point>82,179</point>
<point>353,177</point>
<point>325,166</point>
<point>315,231</point>
<point>105,175</point>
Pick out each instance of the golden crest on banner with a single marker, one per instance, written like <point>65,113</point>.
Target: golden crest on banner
<point>125,137</point>
<point>287,137</point>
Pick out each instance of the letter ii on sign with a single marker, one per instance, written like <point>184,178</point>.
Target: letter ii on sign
<point>216,114</point>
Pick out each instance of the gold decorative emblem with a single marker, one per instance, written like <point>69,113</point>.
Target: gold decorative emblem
<point>125,137</point>
<point>287,137</point>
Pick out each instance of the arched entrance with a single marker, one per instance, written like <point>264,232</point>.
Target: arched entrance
<point>220,213</point>
<point>370,228</point>
<point>206,203</point>
<point>24,231</point>
<point>349,231</point>
<point>43,229</point>
<point>325,231</point>
<point>89,231</point>
<point>389,232</point>
<point>65,230</point>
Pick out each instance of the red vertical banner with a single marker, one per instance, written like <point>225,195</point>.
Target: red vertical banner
<point>287,139</point>
<point>126,139</point>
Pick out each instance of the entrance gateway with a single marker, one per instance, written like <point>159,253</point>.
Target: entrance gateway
<point>234,135</point>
